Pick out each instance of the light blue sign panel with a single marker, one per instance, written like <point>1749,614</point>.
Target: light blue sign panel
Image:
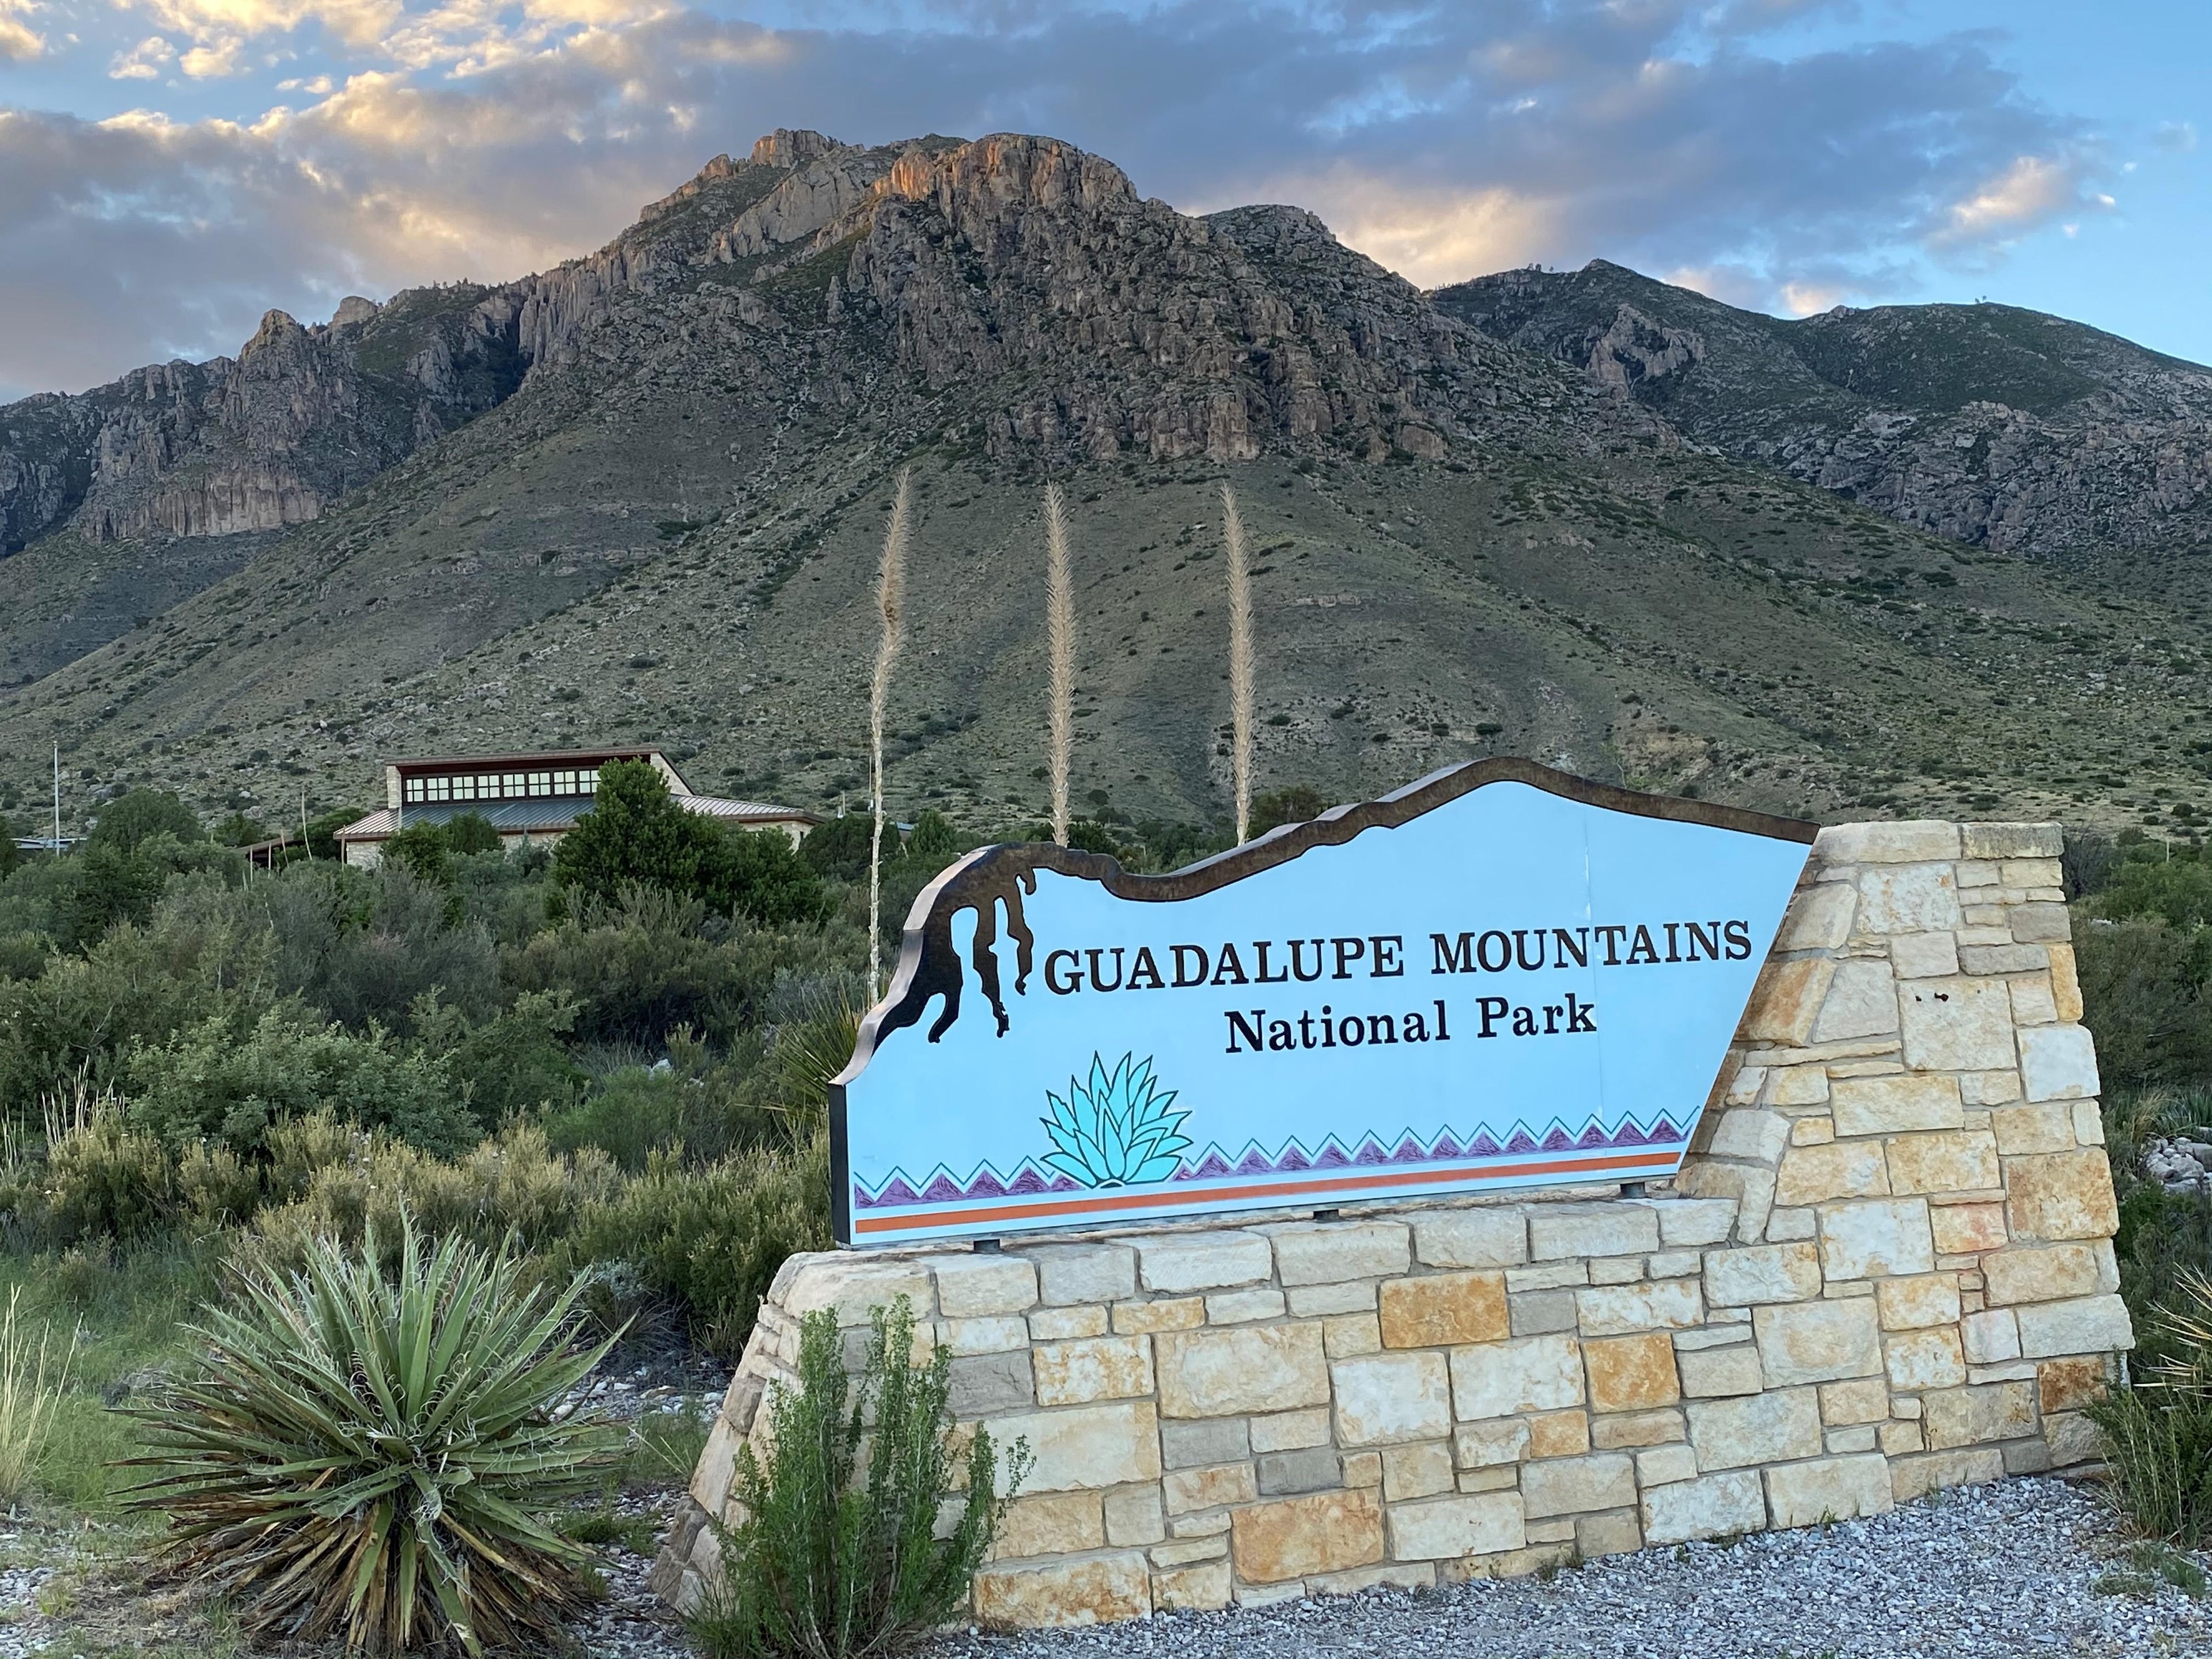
<point>1502,976</point>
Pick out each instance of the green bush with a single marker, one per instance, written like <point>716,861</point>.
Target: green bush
<point>2159,1433</point>
<point>103,1180</point>
<point>1298,804</point>
<point>636,835</point>
<point>831,1564</point>
<point>142,814</point>
<point>636,1112</point>
<point>2142,995</point>
<point>365,948</point>
<point>637,970</point>
<point>372,1457</point>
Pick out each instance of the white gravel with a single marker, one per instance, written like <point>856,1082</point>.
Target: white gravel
<point>2004,1570</point>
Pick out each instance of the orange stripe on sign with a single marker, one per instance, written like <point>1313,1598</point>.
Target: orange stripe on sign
<point>1265,1190</point>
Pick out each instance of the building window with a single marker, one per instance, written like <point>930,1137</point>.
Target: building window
<point>436,789</point>
<point>541,783</point>
<point>412,792</point>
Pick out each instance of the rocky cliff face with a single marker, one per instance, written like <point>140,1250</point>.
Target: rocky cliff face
<point>1985,424</point>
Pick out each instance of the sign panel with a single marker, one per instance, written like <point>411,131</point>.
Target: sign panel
<point>1501,976</point>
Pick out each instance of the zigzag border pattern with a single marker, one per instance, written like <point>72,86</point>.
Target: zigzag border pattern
<point>899,1191</point>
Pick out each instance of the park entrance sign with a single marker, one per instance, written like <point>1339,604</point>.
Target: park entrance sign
<point>1500,976</point>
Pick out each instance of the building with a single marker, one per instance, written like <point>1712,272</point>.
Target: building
<point>532,800</point>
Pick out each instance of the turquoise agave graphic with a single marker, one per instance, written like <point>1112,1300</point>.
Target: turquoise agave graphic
<point>1116,1131</point>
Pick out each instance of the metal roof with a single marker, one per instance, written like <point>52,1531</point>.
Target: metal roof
<point>565,758</point>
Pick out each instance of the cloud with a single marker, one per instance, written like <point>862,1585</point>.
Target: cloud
<point>18,40</point>
<point>2176,137</point>
<point>147,60</point>
<point>487,137</point>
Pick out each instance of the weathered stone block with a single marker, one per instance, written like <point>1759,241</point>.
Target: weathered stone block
<point>1909,841</point>
<point>1968,1417</point>
<point>1631,1373</point>
<point>1801,1342</point>
<point>1488,1444</point>
<point>1915,1477</point>
<point>1439,1310</point>
<point>1989,1337</point>
<point>2049,1273</point>
<point>983,1385</point>
<point>2047,1127</point>
<point>1841,1488</point>
<point>1095,1590</point>
<point>1576,1485</point>
<point>1178,1313</point>
<point>1931,1359</point>
<point>1924,956</point>
<point>1955,1026</point>
<point>1314,1468</point>
<point>855,1288</point>
<point>1084,1273</point>
<point>1528,1373</point>
<point>2033,1003</point>
<point>1763,1428</point>
<point>1132,1515</point>
<point>1004,1334</point>
<point>1755,1136</point>
<point>1211,1440</point>
<point>1861,1001</point>
<point>979,1287</point>
<point>1327,1532</point>
<point>2065,983</point>
<point>1329,1253</point>
<point>1065,1324</point>
<point>1203,1261</point>
<point>1050,1523</point>
<point>2044,922</point>
<point>1442,1529</point>
<point>1471,1238</point>
<point>2090,1324</point>
<point>1199,1588</point>
<point>1095,1368</point>
<point>1625,1431</point>
<point>1717,1373</point>
<point>1713,1506</point>
<point>1663,1465</point>
<point>1311,1300</point>
<point>1786,1000</point>
<point>1860,1400</point>
<point>2057,1062</point>
<point>1557,1231</point>
<point>1898,1104</point>
<point>1350,1334</point>
<point>1762,1272</point>
<point>1946,1160</point>
<point>2065,1385</point>
<point>1911,1303</point>
<point>1536,1312</point>
<point>2072,1439</point>
<point>1819,918</point>
<point>2056,1195</point>
<point>1289,1430</point>
<point>1390,1397</point>
<point>1616,1309</point>
<point>1238,1370</point>
<point>1875,1236</point>
<point>1840,1168</point>
<point>1215,1486</point>
<point>1086,1446</point>
<point>1419,1471</point>
<point>2011,841</point>
<point>1912,898</point>
<point>1244,1307</point>
<point>1967,1229</point>
<point>1798,1086</point>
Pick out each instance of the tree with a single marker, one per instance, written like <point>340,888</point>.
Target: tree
<point>838,847</point>
<point>131,818</point>
<point>760,873</point>
<point>472,833</point>
<point>423,850</point>
<point>10,854</point>
<point>1296,804</point>
<point>636,835</point>
<point>240,831</point>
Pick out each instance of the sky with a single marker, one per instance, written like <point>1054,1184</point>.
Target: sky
<point>169,169</point>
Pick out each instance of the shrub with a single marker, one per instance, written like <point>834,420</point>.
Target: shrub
<point>637,835</point>
<point>2159,1433</point>
<point>105,1179</point>
<point>636,970</point>
<point>366,948</point>
<point>370,1456</point>
<point>142,814</point>
<point>828,1565</point>
<point>638,1111</point>
<point>2142,995</point>
<point>1298,804</point>
<point>472,833</point>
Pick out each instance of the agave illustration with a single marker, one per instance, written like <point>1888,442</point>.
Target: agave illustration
<point>1116,1131</point>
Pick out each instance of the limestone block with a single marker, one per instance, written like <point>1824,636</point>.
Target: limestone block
<point>1801,1342</point>
<point>1198,1588</point>
<point>1989,1088</point>
<point>1576,1485</point>
<point>1095,1368</point>
<point>1762,1272</point>
<point>2012,841</point>
<point>1924,956</point>
<point>1178,1313</point>
<point>2065,1385</point>
<point>1840,1168</point>
<point>1240,1369</point>
<point>1931,1358</point>
<point>1861,1001</point>
<point>1062,1324</point>
<point>1915,1477</point>
<point>1907,898</point>
<point>1786,1000</point>
<point>1747,1189</point>
<point>1819,918</point>
<point>711,1477</point>
<point>2088,1123</point>
<point>1615,1532</point>
<point>983,1385</point>
<point>1471,1238</point>
<point>1899,1104</point>
<point>1203,1261</point>
<point>1908,841</point>
<point>1289,1431</point>
<point>855,1286</point>
<point>2072,1439</point>
<point>2057,1062</point>
<point>1631,1373</point>
<point>1050,1523</point>
<point>1616,1309</point>
<point>1308,1301</point>
<point>1387,1398</point>
<point>1967,1229</point>
<point>1352,1334</point>
<point>2065,983</point>
<point>1211,1487</point>
<point>2046,922</point>
<point>1310,1468</point>
<point>1839,1488</point>
<point>2004,958</point>
<point>1395,1575</point>
<point>1713,1506</point>
<point>2089,1324</point>
<point>1550,1275</point>
<point>1673,1264</point>
<point>1527,1374</point>
<point>1442,1529</point>
<point>1132,1515</point>
<point>1329,1253</point>
<point>1793,1226</point>
<point>1798,1086</point>
<point>2033,1003</point>
<point>1420,1470</point>
<point>1211,1440</point>
<point>2049,1273</point>
<point>1294,1537</point>
<point>1625,1431</point>
<point>1084,1273</point>
<point>1717,1373</point>
<point>1969,1417</point>
<point>980,1286</point>
<point>1897,1439</point>
<point>1875,1236</point>
<point>1744,1082</point>
<point>1487,1444</point>
<point>1944,1161</point>
<point>1242,1307</point>
<point>1617,1270</point>
<point>1754,1136</point>
<point>1556,1230</point>
<point>1086,1446</point>
<point>2055,1196</point>
<point>1955,1025</point>
<point>1095,1590</point>
<point>1762,1428</point>
<point>1558,1434</point>
<point>1990,1337</point>
<point>1438,1309</point>
<point>2045,1128</point>
<point>1001,1335</point>
<point>1214,1547</point>
<point>1865,1399</point>
<point>1909,1304</point>
<point>1661,1466</point>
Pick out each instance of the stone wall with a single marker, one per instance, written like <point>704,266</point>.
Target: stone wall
<point>1886,1267</point>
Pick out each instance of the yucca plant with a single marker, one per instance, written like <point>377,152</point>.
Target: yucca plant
<point>370,1458</point>
<point>1116,1131</point>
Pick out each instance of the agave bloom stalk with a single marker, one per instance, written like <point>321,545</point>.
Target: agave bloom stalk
<point>369,1458</point>
<point>1060,634</point>
<point>1116,1129</point>
<point>1240,659</point>
<point>890,604</point>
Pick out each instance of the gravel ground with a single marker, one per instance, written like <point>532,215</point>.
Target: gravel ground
<point>2005,1570</point>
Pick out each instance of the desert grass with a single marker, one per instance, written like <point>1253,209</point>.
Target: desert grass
<point>1239,659</point>
<point>1060,634</point>
<point>33,1374</point>
<point>890,604</point>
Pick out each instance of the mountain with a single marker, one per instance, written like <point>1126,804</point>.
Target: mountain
<point>666,528</point>
<point>1984,424</point>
